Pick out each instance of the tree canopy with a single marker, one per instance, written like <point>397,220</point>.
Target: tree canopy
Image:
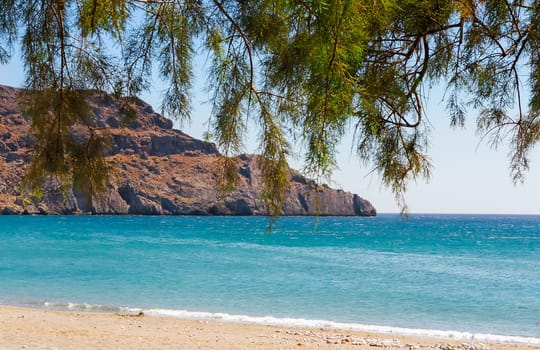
<point>306,70</point>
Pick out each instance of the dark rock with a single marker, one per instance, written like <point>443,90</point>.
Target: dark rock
<point>12,157</point>
<point>113,122</point>
<point>12,146</point>
<point>3,148</point>
<point>245,171</point>
<point>299,178</point>
<point>238,207</point>
<point>362,207</point>
<point>169,206</point>
<point>128,195</point>
<point>303,202</point>
<point>8,211</point>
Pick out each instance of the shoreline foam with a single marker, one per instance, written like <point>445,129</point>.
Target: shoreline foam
<point>296,323</point>
<point>383,330</point>
<point>41,328</point>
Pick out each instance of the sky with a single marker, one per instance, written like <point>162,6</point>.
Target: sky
<point>467,176</point>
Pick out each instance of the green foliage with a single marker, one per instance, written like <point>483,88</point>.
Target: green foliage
<point>305,71</point>
<point>8,30</point>
<point>228,177</point>
<point>96,16</point>
<point>66,145</point>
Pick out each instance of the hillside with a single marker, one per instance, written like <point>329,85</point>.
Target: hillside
<point>156,170</point>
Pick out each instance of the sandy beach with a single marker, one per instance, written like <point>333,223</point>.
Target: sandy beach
<point>23,328</point>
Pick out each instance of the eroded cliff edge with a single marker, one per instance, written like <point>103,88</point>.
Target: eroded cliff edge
<point>157,170</point>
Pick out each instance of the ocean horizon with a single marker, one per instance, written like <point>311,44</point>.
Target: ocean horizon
<point>449,275</point>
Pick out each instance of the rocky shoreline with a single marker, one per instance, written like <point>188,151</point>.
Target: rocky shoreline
<point>156,170</point>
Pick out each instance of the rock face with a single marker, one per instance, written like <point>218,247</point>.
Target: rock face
<point>156,170</point>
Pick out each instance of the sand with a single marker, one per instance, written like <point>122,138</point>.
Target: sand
<point>22,328</point>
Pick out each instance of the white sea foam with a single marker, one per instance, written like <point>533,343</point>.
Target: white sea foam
<point>292,322</point>
<point>91,307</point>
<point>300,322</point>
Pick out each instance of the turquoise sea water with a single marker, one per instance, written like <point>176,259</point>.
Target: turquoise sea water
<point>462,273</point>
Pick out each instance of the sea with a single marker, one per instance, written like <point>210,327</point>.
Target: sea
<point>454,276</point>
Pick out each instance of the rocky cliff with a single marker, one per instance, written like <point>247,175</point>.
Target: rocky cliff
<point>156,170</point>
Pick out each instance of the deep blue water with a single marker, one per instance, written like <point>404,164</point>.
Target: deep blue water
<point>464,273</point>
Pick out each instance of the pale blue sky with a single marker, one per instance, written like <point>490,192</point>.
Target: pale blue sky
<point>467,177</point>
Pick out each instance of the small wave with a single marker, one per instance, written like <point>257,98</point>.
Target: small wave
<point>90,307</point>
<point>287,322</point>
<point>300,322</point>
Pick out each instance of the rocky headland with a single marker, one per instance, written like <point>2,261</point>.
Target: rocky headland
<point>155,170</point>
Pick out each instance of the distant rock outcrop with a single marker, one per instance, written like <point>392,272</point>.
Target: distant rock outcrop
<point>156,170</point>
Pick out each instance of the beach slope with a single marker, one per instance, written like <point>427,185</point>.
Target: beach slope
<point>22,328</point>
